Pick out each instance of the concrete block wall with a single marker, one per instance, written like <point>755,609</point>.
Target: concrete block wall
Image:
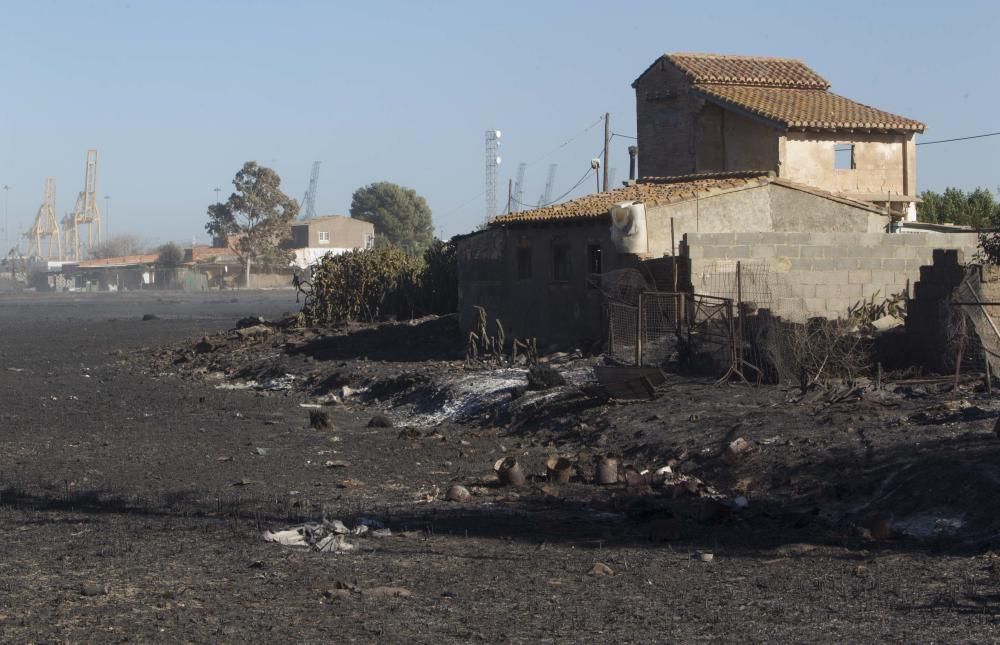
<point>821,274</point>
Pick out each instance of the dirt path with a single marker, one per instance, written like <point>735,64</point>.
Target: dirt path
<point>133,499</point>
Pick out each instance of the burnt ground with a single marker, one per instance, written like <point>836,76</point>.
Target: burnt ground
<point>139,468</point>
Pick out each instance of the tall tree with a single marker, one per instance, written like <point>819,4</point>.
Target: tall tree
<point>978,208</point>
<point>257,216</point>
<point>401,217</point>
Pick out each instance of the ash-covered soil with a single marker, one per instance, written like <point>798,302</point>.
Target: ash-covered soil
<point>142,461</point>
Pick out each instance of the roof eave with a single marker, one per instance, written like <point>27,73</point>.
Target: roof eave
<point>739,109</point>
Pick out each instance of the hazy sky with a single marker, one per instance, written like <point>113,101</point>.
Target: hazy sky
<point>177,94</point>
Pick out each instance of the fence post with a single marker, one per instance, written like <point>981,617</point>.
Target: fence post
<point>739,313</point>
<point>638,332</point>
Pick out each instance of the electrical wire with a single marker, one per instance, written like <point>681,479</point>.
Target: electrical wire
<point>623,136</point>
<point>560,197</point>
<point>975,136</point>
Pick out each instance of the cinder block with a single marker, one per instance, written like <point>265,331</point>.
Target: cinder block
<point>870,263</point>
<point>948,257</point>
<point>826,264</point>
<point>811,252</point>
<point>882,276</point>
<point>749,238</point>
<point>696,252</point>
<point>814,304</point>
<point>788,250</point>
<point>915,239</point>
<point>762,251</point>
<point>894,264</point>
<point>837,307</point>
<point>739,251</point>
<point>859,277</point>
<point>894,239</point>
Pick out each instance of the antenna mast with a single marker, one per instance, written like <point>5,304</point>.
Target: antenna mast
<point>309,201</point>
<point>492,164</point>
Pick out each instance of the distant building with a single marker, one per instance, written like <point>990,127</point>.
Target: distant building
<point>336,234</point>
<point>700,113</point>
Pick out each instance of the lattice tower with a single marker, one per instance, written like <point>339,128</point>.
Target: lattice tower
<point>492,164</point>
<point>45,230</point>
<point>309,201</point>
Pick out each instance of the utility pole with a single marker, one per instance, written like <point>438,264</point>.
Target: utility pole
<point>217,191</point>
<point>607,146</point>
<point>510,192</point>
<point>107,216</point>
<point>6,222</point>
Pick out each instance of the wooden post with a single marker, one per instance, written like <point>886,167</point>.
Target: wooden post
<point>989,377</point>
<point>607,146</point>
<point>673,253</point>
<point>638,333</point>
<point>958,356</point>
<point>739,312</point>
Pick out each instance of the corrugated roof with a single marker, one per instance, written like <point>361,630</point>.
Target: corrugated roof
<point>761,71</point>
<point>805,108</point>
<point>654,191</point>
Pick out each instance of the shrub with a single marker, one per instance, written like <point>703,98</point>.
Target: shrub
<point>379,283</point>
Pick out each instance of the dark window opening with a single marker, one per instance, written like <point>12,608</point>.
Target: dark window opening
<point>594,266</point>
<point>560,262</point>
<point>524,263</point>
<point>843,157</point>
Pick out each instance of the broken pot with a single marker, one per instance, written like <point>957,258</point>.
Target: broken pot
<point>560,469</point>
<point>607,471</point>
<point>509,472</point>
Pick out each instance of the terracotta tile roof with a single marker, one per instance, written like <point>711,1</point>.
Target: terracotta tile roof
<point>655,191</point>
<point>760,71</point>
<point>651,191</point>
<point>798,108</point>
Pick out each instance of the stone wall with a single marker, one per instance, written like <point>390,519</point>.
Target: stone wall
<point>821,274</point>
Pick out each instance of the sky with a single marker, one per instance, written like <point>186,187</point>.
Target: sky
<point>177,94</point>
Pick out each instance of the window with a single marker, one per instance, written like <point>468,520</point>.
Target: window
<point>843,156</point>
<point>324,237</point>
<point>560,261</point>
<point>524,260</point>
<point>594,266</point>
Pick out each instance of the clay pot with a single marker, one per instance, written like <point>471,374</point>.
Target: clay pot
<point>509,472</point>
<point>607,471</point>
<point>560,469</point>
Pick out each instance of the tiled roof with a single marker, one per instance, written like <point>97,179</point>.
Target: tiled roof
<point>801,108</point>
<point>761,71</point>
<point>651,191</point>
<point>655,191</point>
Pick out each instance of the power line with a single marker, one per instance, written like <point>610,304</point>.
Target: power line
<point>570,140</point>
<point>623,136</point>
<point>560,197</point>
<point>975,136</point>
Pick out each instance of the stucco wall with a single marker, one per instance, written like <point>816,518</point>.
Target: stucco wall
<point>809,158</point>
<point>767,208</point>
<point>821,274</point>
<point>345,232</point>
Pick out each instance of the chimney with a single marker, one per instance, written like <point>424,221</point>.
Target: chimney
<point>632,152</point>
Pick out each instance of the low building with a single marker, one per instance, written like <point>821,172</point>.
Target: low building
<point>715,113</point>
<point>336,234</point>
<point>540,271</point>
